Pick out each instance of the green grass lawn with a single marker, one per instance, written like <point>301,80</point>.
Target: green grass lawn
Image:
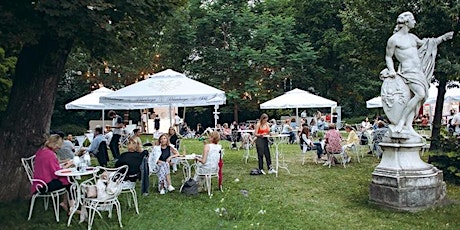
<point>310,197</point>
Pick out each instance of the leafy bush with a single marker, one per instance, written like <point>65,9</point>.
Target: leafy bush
<point>448,159</point>
<point>71,129</point>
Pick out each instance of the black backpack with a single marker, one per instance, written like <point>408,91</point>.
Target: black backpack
<point>190,187</point>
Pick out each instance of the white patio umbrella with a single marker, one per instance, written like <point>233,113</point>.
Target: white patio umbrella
<point>167,88</point>
<point>298,98</point>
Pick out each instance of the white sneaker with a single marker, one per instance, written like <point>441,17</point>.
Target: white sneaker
<point>272,171</point>
<point>171,188</point>
<point>262,171</point>
<point>162,191</point>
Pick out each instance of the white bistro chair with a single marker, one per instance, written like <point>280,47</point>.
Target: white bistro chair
<point>28,164</point>
<point>108,197</point>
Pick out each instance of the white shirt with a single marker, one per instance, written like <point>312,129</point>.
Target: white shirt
<point>176,120</point>
<point>115,123</point>
<point>456,120</point>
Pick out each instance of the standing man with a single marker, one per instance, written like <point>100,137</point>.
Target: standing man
<point>176,122</point>
<point>117,125</point>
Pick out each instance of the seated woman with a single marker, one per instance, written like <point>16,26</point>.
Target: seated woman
<point>377,136</point>
<point>46,163</point>
<point>307,144</point>
<point>287,129</point>
<point>173,137</point>
<point>226,134</point>
<point>208,162</point>
<point>133,159</point>
<point>352,140</point>
<point>333,145</point>
<point>161,159</point>
<point>199,130</point>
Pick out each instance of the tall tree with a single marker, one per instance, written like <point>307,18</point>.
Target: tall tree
<point>45,32</point>
<point>248,50</point>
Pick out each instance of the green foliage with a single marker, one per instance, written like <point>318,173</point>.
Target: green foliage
<point>248,51</point>
<point>6,71</point>
<point>71,129</point>
<point>447,158</point>
<point>449,163</point>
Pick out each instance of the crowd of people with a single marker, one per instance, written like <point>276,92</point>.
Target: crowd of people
<point>59,150</point>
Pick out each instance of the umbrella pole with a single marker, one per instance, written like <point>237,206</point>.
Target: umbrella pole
<point>297,116</point>
<point>170,117</point>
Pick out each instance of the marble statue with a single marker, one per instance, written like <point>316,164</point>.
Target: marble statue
<point>405,89</point>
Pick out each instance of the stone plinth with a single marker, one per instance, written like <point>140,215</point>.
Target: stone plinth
<point>404,182</point>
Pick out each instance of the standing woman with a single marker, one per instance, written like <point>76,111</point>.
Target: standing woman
<point>156,123</point>
<point>262,128</point>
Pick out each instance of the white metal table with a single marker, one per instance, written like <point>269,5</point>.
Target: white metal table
<point>277,139</point>
<point>74,176</point>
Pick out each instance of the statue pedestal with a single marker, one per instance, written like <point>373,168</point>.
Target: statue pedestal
<point>404,182</point>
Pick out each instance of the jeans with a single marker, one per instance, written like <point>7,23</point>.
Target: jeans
<point>319,149</point>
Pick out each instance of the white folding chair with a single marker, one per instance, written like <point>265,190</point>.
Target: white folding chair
<point>28,164</point>
<point>127,133</point>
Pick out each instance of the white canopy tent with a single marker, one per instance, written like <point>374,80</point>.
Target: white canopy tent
<point>375,102</point>
<point>91,102</point>
<point>298,98</point>
<point>452,95</point>
<point>167,88</point>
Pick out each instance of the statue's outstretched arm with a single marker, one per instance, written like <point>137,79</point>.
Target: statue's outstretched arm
<point>445,37</point>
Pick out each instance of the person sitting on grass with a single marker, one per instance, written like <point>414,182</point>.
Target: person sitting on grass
<point>161,159</point>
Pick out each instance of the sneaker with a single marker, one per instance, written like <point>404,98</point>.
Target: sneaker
<point>162,191</point>
<point>171,188</point>
<point>272,171</point>
<point>145,194</point>
<point>262,172</point>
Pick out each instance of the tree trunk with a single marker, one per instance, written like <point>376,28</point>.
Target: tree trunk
<point>235,112</point>
<point>28,116</point>
<point>435,132</point>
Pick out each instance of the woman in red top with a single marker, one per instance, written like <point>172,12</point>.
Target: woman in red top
<point>262,128</point>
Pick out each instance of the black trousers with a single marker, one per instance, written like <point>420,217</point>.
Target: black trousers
<point>263,150</point>
<point>114,142</point>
